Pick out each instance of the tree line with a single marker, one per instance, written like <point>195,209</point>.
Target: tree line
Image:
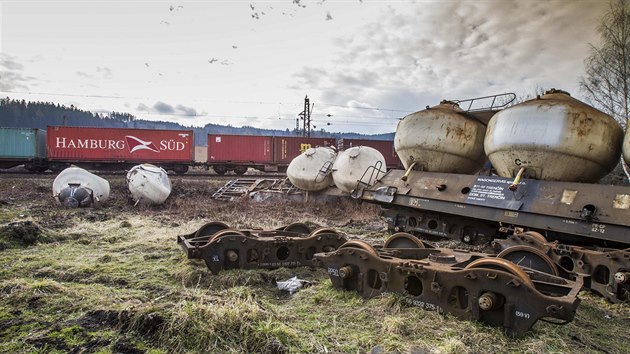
<point>27,114</point>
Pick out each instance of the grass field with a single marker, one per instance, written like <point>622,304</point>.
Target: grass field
<point>113,280</point>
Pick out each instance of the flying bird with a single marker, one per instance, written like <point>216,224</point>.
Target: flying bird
<point>234,47</point>
<point>213,60</point>
<point>146,64</point>
<point>328,16</point>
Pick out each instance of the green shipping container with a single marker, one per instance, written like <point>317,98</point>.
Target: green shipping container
<point>21,145</point>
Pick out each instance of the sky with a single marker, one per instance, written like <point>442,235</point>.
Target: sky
<point>364,64</point>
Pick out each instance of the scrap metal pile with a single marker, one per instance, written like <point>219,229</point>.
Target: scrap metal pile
<point>467,285</point>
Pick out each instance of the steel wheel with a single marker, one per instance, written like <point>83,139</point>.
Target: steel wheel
<point>224,233</point>
<point>529,257</point>
<point>211,228</point>
<point>502,265</point>
<point>403,240</point>
<point>534,237</point>
<point>323,230</point>
<point>362,245</point>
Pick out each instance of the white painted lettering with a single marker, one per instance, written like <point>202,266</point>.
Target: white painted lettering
<point>61,143</point>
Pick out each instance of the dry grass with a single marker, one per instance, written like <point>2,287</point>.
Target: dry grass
<point>112,279</point>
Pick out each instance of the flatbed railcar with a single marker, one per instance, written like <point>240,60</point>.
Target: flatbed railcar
<point>122,148</point>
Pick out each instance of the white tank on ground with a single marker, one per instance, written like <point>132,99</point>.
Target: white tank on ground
<point>310,171</point>
<point>554,137</point>
<point>75,187</point>
<point>441,139</point>
<point>148,184</point>
<point>358,166</point>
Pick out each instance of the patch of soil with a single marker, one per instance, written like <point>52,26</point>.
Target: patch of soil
<point>19,234</point>
<point>8,323</point>
<point>98,319</point>
<point>93,216</point>
<point>126,347</point>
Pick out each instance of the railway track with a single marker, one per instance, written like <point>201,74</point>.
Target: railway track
<point>18,174</point>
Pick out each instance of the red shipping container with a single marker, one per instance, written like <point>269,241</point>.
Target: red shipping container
<point>119,145</point>
<point>385,147</point>
<point>239,148</point>
<point>286,148</point>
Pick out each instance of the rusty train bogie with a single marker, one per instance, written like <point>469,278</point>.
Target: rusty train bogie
<point>606,271</point>
<point>587,222</point>
<point>290,246</point>
<point>467,285</point>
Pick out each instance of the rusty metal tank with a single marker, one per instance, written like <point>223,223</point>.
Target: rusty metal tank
<point>441,139</point>
<point>310,171</point>
<point>359,165</point>
<point>554,137</point>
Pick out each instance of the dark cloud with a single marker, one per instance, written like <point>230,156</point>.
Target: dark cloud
<point>165,108</point>
<point>11,74</point>
<point>187,111</point>
<point>10,63</point>
<point>459,49</point>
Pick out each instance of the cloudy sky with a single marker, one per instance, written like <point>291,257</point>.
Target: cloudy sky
<point>364,64</point>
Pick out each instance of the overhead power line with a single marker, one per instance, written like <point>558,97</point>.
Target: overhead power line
<point>197,99</point>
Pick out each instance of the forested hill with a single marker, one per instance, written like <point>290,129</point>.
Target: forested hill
<point>16,113</point>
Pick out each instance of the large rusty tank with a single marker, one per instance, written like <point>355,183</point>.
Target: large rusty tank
<point>442,138</point>
<point>310,171</point>
<point>356,166</point>
<point>553,137</point>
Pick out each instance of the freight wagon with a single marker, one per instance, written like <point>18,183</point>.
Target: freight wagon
<point>265,153</point>
<point>119,148</point>
<point>385,147</point>
<point>23,146</point>
<point>115,148</point>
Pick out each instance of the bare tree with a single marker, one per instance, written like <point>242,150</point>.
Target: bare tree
<point>607,80</point>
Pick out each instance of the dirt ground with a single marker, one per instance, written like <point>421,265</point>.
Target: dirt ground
<point>111,279</point>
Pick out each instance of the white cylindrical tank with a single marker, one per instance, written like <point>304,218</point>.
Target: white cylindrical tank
<point>148,184</point>
<point>310,171</point>
<point>75,187</point>
<point>359,165</point>
<point>554,137</point>
<point>441,139</point>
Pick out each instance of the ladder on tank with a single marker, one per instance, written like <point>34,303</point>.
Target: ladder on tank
<point>483,108</point>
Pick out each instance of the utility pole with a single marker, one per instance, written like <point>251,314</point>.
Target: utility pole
<point>305,115</point>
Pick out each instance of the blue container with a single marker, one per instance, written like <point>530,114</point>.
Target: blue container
<point>22,146</point>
